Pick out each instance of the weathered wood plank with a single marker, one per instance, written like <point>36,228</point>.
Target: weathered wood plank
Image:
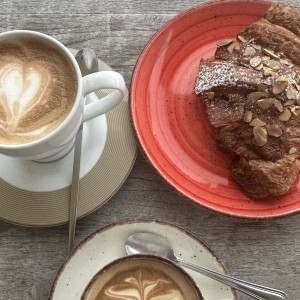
<point>102,7</point>
<point>265,251</point>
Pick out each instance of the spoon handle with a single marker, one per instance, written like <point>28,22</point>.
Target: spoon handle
<point>75,188</point>
<point>256,291</point>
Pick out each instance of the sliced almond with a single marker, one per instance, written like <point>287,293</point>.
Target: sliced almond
<point>285,115</point>
<point>210,95</point>
<point>249,51</point>
<point>265,103</point>
<point>248,116</point>
<point>291,93</point>
<point>260,135</point>
<point>270,53</point>
<point>279,87</point>
<point>232,47</point>
<point>224,42</point>
<point>294,110</point>
<point>257,123</point>
<point>254,96</point>
<point>274,130</point>
<point>282,78</point>
<point>293,150</point>
<point>259,67</point>
<point>255,61</point>
<point>237,46</point>
<point>273,64</point>
<point>265,59</point>
<point>268,71</point>
<point>243,40</point>
<point>277,103</point>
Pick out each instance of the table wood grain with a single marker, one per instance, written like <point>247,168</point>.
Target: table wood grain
<point>264,251</point>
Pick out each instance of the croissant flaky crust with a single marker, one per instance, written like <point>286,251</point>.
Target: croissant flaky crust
<point>251,90</point>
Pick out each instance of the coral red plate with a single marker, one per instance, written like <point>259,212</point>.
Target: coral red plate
<point>170,121</point>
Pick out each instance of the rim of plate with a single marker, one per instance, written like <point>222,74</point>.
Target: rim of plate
<point>129,222</point>
<point>137,131</point>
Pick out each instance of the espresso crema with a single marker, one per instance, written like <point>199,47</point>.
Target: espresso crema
<point>38,87</point>
<point>141,284</point>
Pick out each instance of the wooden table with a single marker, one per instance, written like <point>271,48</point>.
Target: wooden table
<point>264,251</point>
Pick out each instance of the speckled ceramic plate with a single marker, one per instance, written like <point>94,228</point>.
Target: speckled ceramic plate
<point>170,121</point>
<point>107,244</point>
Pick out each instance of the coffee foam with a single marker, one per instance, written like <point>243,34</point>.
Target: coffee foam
<point>141,284</point>
<point>37,90</point>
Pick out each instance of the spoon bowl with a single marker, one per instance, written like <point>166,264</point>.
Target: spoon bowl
<point>87,61</point>
<point>154,244</point>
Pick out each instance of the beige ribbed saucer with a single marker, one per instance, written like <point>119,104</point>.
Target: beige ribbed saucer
<point>40,209</point>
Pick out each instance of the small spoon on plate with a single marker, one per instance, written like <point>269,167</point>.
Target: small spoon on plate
<point>154,244</point>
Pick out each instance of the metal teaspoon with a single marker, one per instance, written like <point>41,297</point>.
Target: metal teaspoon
<point>150,243</point>
<point>88,63</point>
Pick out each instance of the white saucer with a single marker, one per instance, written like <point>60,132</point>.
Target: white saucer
<point>38,195</point>
<point>107,244</point>
<point>45,177</point>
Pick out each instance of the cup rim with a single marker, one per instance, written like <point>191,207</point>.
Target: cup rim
<point>142,256</point>
<point>39,35</point>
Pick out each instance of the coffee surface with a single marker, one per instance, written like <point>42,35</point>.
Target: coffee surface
<point>38,88</point>
<point>141,284</point>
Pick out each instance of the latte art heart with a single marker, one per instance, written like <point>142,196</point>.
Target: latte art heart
<point>37,90</point>
<point>20,91</point>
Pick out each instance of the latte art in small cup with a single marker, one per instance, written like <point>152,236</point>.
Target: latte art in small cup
<point>141,284</point>
<point>141,277</point>
<point>37,90</point>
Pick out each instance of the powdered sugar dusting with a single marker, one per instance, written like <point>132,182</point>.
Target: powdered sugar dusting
<point>218,75</point>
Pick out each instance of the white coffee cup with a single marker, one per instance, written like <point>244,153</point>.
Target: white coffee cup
<point>58,143</point>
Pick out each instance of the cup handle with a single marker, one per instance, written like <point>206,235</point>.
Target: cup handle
<point>102,80</point>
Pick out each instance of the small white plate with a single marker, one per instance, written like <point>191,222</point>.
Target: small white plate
<point>107,244</point>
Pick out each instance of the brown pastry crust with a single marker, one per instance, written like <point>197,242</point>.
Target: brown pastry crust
<point>276,38</point>
<point>251,90</point>
<point>285,16</point>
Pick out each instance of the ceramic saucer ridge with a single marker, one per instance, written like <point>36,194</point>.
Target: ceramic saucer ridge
<point>34,194</point>
<point>170,120</point>
<point>107,245</point>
